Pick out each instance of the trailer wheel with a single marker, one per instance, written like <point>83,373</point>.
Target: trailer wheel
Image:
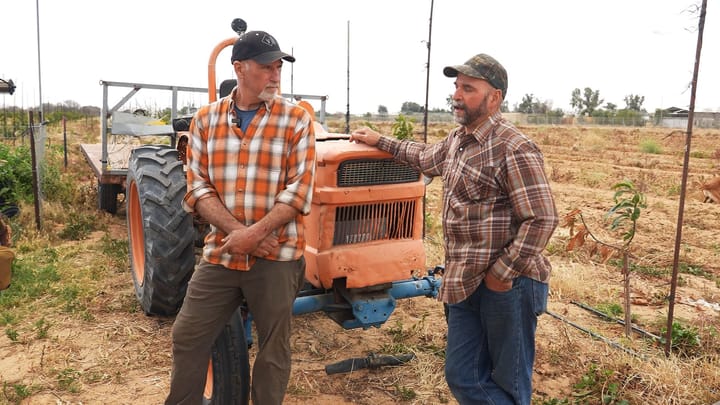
<point>107,197</point>
<point>160,232</point>
<point>228,376</point>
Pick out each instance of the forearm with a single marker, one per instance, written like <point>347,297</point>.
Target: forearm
<point>212,210</point>
<point>278,216</point>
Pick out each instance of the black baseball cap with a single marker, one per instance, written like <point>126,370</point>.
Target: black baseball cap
<point>259,46</point>
<point>482,66</point>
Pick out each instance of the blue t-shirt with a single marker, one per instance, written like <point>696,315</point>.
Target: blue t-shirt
<point>244,117</point>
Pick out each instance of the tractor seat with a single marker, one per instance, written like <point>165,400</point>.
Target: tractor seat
<point>226,87</point>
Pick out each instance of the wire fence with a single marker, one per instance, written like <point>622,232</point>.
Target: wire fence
<point>708,121</point>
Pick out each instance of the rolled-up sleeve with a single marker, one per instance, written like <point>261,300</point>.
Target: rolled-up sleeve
<point>301,169</point>
<point>198,183</point>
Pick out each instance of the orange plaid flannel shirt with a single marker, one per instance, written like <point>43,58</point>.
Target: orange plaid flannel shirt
<point>273,162</point>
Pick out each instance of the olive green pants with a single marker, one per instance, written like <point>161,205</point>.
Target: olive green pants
<point>214,293</point>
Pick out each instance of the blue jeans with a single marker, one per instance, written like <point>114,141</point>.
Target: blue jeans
<point>491,344</point>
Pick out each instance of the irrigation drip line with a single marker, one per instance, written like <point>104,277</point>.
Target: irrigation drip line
<point>620,321</point>
<point>595,335</point>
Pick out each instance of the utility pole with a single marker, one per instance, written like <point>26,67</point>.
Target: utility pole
<point>427,80</point>
<point>347,113</point>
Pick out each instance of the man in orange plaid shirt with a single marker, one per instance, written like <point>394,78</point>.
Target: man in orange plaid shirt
<point>251,167</point>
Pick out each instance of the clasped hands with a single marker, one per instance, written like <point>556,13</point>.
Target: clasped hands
<point>246,240</point>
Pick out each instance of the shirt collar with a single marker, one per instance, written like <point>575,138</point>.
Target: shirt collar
<point>483,130</point>
<point>231,97</point>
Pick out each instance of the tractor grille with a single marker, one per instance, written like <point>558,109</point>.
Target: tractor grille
<point>374,172</point>
<point>368,222</point>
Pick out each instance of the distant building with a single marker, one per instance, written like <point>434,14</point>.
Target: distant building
<point>675,117</point>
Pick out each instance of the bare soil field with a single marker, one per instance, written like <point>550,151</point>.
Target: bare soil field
<point>111,353</point>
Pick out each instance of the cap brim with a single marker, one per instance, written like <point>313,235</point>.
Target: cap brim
<point>269,57</point>
<point>452,71</point>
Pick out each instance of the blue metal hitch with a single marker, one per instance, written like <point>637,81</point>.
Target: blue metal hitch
<point>353,309</point>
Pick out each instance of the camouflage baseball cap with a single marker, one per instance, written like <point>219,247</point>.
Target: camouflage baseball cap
<point>482,66</point>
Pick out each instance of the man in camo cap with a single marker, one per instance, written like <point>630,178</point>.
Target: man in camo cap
<point>498,216</point>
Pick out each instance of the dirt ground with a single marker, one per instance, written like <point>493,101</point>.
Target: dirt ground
<point>124,356</point>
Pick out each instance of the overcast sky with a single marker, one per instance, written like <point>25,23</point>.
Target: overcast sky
<point>549,48</point>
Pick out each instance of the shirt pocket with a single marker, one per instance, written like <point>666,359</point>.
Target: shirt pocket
<point>479,185</point>
<point>476,192</point>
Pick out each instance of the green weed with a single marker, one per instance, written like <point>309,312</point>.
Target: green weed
<point>69,380</point>
<point>41,328</point>
<point>12,334</point>
<point>15,393</point>
<point>685,340</point>
<point>650,146</point>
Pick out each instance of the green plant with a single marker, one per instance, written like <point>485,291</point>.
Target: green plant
<point>405,393</point>
<point>696,271</point>
<point>685,340</point>
<point>628,202</point>
<point>673,190</point>
<point>402,128</point>
<point>399,338</point>
<point>626,211</point>
<point>34,276</point>
<point>41,327</point>
<point>596,383</point>
<point>12,334</point>
<point>68,380</point>
<point>78,226</point>
<point>650,146</point>
<point>611,309</point>
<point>16,392</point>
<point>116,250</point>
<point>370,125</point>
<point>15,174</point>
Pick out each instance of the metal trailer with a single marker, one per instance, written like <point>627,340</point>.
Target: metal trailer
<point>111,179</point>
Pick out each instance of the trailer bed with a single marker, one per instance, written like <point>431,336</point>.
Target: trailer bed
<point>117,161</point>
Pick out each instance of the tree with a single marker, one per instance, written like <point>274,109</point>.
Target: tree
<point>628,203</point>
<point>382,110</point>
<point>634,102</point>
<point>402,128</point>
<point>411,107</point>
<point>532,105</point>
<point>587,102</point>
<point>526,105</point>
<point>504,106</point>
<point>576,101</point>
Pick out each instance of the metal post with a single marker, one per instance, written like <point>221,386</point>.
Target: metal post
<point>683,185</point>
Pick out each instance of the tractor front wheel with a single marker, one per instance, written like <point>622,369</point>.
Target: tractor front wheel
<point>161,233</point>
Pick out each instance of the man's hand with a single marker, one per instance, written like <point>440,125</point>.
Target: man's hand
<point>365,135</point>
<point>494,284</point>
<point>244,241</point>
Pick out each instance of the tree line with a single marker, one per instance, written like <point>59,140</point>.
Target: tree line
<point>585,103</point>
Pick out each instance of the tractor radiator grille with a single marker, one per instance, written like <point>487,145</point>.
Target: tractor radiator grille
<point>368,222</point>
<point>373,172</point>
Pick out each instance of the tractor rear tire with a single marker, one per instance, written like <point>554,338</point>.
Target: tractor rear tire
<point>160,232</point>
<point>107,197</point>
<point>228,377</point>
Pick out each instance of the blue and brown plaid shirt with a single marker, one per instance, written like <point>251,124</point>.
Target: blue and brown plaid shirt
<point>498,209</point>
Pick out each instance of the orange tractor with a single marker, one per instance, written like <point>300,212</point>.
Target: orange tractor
<point>364,239</point>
